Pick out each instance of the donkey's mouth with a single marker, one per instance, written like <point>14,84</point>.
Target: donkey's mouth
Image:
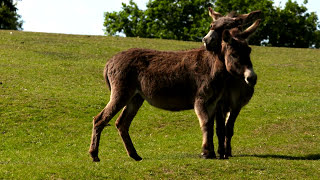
<point>210,41</point>
<point>209,46</point>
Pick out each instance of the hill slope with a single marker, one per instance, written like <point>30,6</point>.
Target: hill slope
<point>51,85</point>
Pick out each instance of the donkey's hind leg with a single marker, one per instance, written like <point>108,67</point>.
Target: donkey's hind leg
<point>123,124</point>
<point>116,103</point>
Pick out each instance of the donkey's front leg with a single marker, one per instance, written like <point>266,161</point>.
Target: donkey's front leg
<point>229,130</point>
<point>206,125</point>
<point>220,130</point>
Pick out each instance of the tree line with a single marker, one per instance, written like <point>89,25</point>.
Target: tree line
<point>290,26</point>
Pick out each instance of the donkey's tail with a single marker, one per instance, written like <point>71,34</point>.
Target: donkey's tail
<point>105,75</point>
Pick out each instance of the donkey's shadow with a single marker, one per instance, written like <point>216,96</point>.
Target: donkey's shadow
<point>266,156</point>
<point>286,157</point>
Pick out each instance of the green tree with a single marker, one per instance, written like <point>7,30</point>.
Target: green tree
<point>293,26</point>
<point>178,19</point>
<point>9,19</point>
<point>167,19</point>
<point>130,21</point>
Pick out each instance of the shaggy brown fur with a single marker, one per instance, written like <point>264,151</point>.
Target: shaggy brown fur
<point>169,80</point>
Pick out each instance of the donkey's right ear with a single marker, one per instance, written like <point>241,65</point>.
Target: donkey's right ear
<point>215,15</point>
<point>250,17</point>
<point>250,30</point>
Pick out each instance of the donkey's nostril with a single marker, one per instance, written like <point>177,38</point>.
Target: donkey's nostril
<point>251,80</point>
<point>204,40</point>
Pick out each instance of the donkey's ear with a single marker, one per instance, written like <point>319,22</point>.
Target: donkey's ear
<point>250,17</point>
<point>250,30</point>
<point>215,15</point>
<point>226,36</point>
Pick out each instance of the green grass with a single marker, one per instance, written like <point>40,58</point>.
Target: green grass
<point>51,85</point>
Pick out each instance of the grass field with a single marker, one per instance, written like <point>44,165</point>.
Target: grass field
<point>51,85</point>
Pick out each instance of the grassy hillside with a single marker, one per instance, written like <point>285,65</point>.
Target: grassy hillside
<point>51,85</point>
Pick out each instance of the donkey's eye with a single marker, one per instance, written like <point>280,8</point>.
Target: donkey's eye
<point>235,56</point>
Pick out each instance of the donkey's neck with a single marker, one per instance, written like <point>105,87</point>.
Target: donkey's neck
<point>217,64</point>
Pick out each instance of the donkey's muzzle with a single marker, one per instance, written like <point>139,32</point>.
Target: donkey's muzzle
<point>251,80</point>
<point>210,40</point>
<point>250,77</point>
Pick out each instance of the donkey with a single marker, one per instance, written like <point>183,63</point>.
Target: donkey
<point>237,93</point>
<point>175,81</point>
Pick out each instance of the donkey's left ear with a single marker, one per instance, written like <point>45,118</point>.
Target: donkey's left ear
<point>215,15</point>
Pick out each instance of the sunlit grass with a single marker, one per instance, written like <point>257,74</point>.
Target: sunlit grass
<point>51,86</point>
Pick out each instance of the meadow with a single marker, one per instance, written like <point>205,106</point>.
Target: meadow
<point>51,85</point>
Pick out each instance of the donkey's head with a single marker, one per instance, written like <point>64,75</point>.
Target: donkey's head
<point>212,41</point>
<point>236,52</point>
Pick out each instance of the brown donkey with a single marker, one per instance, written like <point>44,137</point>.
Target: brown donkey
<point>237,93</point>
<point>174,81</point>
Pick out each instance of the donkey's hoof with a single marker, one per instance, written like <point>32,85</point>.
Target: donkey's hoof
<point>208,156</point>
<point>223,156</point>
<point>95,159</point>
<point>135,157</point>
<point>94,155</point>
<point>228,154</point>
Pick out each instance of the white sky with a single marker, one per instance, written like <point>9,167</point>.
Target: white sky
<point>68,16</point>
<point>84,16</point>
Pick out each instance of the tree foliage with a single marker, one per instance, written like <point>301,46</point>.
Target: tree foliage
<point>291,26</point>
<point>9,19</point>
<point>167,19</point>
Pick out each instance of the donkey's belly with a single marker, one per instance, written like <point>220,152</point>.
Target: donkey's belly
<point>171,104</point>
<point>170,91</point>
<point>171,101</point>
